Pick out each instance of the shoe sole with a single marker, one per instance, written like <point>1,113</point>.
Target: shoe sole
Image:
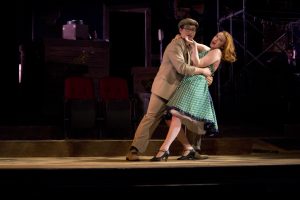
<point>202,157</point>
<point>132,160</point>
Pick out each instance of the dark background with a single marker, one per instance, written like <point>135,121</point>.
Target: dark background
<point>260,89</point>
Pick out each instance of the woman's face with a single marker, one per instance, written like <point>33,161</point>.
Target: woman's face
<point>188,31</point>
<point>218,41</point>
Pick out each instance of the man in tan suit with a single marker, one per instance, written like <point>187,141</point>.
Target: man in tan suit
<point>175,64</point>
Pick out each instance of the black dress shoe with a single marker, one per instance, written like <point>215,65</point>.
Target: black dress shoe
<point>189,156</point>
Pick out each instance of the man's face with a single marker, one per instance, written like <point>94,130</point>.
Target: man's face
<point>188,31</point>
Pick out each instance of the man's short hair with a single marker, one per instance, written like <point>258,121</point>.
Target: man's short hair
<point>188,21</point>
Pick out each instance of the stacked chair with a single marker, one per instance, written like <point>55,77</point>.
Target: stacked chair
<point>80,105</point>
<point>116,108</point>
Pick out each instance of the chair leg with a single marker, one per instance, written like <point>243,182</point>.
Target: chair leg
<point>66,121</point>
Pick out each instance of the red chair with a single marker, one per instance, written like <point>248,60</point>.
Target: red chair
<point>80,104</point>
<point>115,107</point>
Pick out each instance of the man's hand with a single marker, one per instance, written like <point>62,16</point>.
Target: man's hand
<point>209,80</point>
<point>206,71</point>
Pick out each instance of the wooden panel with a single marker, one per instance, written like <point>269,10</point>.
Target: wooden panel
<point>143,78</point>
<point>94,54</point>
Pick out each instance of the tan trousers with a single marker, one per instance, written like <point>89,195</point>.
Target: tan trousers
<point>149,123</point>
<point>195,139</point>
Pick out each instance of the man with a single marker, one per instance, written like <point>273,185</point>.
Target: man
<point>175,64</point>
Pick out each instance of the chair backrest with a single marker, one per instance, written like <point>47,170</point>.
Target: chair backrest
<point>79,88</point>
<point>113,88</point>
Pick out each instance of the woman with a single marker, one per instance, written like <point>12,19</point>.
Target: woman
<point>191,105</point>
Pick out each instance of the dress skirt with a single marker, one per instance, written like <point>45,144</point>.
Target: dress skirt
<point>193,104</point>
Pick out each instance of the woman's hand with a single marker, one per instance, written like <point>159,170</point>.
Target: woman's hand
<point>191,42</point>
<point>206,72</point>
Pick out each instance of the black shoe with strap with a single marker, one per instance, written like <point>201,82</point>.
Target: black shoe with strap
<point>165,156</point>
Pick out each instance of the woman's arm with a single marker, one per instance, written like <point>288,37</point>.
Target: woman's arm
<point>195,54</point>
<point>212,57</point>
<point>200,47</point>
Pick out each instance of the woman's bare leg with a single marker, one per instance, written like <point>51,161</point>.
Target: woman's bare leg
<point>173,131</point>
<point>181,137</point>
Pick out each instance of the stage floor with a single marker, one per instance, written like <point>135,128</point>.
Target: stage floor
<point>46,168</point>
<point>118,162</point>
<point>87,177</point>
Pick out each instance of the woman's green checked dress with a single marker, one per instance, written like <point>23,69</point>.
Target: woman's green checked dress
<point>192,103</point>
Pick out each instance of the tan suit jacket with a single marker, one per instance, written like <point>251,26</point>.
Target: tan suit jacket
<point>175,64</point>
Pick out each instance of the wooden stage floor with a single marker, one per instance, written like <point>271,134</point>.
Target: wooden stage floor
<point>89,168</point>
<point>87,177</point>
<point>119,162</point>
